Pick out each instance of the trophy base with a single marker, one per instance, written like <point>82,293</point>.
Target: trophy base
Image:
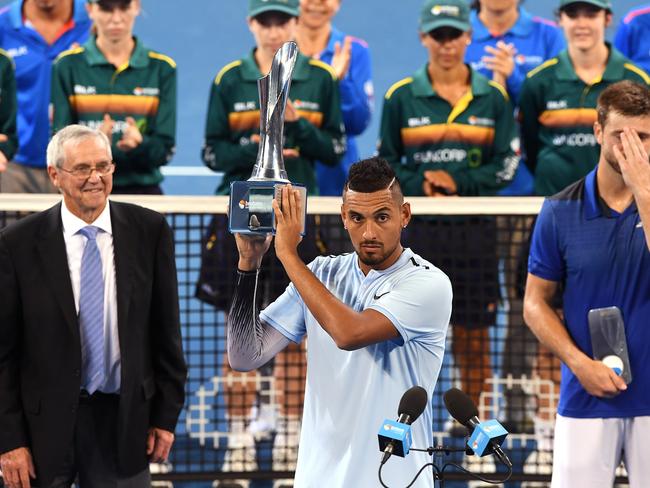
<point>250,207</point>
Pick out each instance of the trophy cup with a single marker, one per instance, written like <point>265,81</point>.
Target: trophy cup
<point>250,207</point>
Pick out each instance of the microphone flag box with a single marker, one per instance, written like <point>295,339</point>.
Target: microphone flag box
<point>479,441</point>
<point>398,433</point>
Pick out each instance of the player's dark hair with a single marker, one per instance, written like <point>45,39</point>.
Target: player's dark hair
<point>371,175</point>
<point>626,98</point>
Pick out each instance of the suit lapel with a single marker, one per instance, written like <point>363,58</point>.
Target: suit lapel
<point>54,260</point>
<point>124,241</point>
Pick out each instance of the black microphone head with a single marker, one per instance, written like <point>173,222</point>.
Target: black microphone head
<point>413,402</point>
<point>460,405</point>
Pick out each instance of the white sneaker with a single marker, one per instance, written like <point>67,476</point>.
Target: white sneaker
<point>620,471</point>
<point>263,422</point>
<point>538,462</point>
<point>240,455</point>
<point>455,429</point>
<point>285,446</point>
<point>231,484</point>
<point>479,484</point>
<point>161,468</point>
<point>479,465</point>
<point>283,484</point>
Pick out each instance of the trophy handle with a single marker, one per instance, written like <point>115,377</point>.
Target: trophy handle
<point>274,90</point>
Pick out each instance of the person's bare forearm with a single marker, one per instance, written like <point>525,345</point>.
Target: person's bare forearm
<point>336,318</point>
<point>545,323</point>
<point>349,329</point>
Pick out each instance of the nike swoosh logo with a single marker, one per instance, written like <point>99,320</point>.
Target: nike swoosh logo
<point>377,297</point>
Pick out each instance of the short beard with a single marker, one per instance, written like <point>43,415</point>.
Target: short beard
<point>613,163</point>
<point>371,261</point>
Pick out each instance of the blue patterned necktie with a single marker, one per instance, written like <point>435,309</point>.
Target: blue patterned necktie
<point>91,313</point>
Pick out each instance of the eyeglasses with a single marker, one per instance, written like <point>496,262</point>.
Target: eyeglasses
<point>83,171</point>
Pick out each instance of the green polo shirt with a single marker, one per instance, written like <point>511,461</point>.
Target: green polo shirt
<point>85,86</point>
<point>8,106</point>
<point>557,111</point>
<point>474,141</point>
<point>234,117</point>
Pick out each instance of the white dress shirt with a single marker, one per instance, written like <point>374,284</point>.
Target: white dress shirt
<point>74,244</point>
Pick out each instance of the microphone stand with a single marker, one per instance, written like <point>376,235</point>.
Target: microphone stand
<point>439,473</point>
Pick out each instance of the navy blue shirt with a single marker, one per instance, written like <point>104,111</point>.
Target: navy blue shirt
<point>602,259</point>
<point>33,58</point>
<point>536,40</point>
<point>357,100</point>
<point>633,36</point>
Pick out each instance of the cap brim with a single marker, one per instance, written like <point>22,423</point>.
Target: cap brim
<point>438,23</point>
<point>603,5</point>
<point>111,3</point>
<point>274,8</point>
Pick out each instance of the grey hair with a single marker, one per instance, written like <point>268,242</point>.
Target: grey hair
<point>72,134</point>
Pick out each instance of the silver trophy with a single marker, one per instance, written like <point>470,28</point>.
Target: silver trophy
<point>251,210</point>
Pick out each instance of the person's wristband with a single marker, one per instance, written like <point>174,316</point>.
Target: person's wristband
<point>247,273</point>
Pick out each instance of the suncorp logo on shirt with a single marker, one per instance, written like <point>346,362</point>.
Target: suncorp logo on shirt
<point>574,140</point>
<point>445,155</point>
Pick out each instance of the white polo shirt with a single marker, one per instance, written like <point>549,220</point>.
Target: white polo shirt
<point>349,393</point>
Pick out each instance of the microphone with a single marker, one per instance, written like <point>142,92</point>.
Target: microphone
<point>486,437</point>
<point>395,437</point>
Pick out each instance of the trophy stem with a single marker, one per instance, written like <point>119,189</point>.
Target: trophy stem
<point>274,90</point>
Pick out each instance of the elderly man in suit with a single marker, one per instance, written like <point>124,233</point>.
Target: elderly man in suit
<point>91,363</point>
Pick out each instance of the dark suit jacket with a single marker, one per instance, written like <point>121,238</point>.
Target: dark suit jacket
<point>40,351</point>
